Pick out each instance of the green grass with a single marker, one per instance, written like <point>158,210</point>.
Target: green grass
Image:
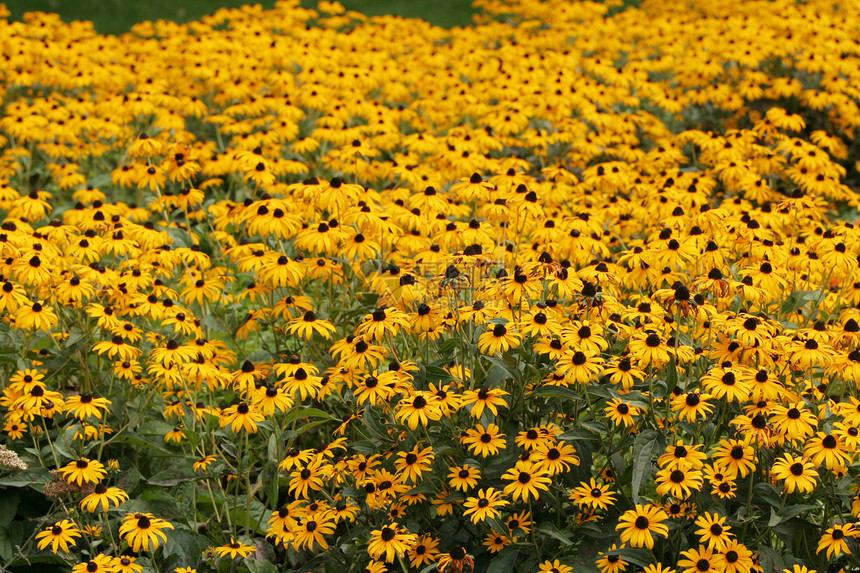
<point>117,16</point>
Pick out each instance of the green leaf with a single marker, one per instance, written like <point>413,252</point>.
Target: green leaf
<point>301,413</point>
<point>32,476</point>
<point>645,446</point>
<point>75,336</point>
<point>258,510</point>
<point>171,477</point>
<point>640,557</point>
<point>372,424</point>
<point>787,513</point>
<point>577,435</point>
<point>502,365</point>
<point>551,530</point>
<point>8,507</point>
<point>767,493</point>
<point>504,562</point>
<point>797,300</point>
<point>260,566</point>
<point>289,434</point>
<point>553,391</point>
<point>770,560</point>
<point>7,550</point>
<point>436,374</point>
<point>496,377</point>
<point>671,376</point>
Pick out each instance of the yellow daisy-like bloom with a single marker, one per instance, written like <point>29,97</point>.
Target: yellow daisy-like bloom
<point>834,541</point>
<point>105,497</point>
<point>390,542</point>
<point>526,478</point>
<point>98,564</point>
<point>58,536</point>
<point>235,549</point>
<point>485,505</point>
<point>83,406</point>
<point>308,324</point>
<point>143,530</point>
<point>240,417</point>
<point>639,526</point>
<point>83,471</point>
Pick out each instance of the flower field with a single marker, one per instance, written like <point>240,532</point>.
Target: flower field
<point>572,289</point>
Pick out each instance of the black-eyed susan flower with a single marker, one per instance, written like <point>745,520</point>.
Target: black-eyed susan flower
<point>98,564</point>
<point>526,479</point>
<point>639,526</point>
<point>554,566</point>
<point>235,549</point>
<point>692,405</point>
<point>105,497</point>
<point>143,530</point>
<point>495,542</point>
<point>834,541</point>
<point>609,562</point>
<point>58,536</point>
<point>593,494</point>
<point>413,463</point>
<point>424,551</point>
<point>310,532</point>
<point>456,560</point>
<point>463,478</point>
<point>82,406</point>
<point>713,531</point>
<point>701,560</point>
<point>308,324</point>
<point>126,564</point>
<point>799,473</point>
<point>678,482</point>
<point>682,455</point>
<point>390,542</point>
<point>483,398</point>
<point>498,339</point>
<point>556,458</point>
<point>240,417</point>
<point>735,558</point>
<point>484,441</point>
<point>826,449</point>
<point>621,413</point>
<point>83,471</point>
<point>734,458</point>
<point>419,410</point>
<point>485,505</point>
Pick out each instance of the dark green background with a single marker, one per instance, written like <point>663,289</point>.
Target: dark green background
<point>117,16</point>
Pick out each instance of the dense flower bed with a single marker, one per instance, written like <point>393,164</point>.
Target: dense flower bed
<point>572,289</point>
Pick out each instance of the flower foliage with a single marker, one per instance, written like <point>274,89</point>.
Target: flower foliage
<point>576,285</point>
